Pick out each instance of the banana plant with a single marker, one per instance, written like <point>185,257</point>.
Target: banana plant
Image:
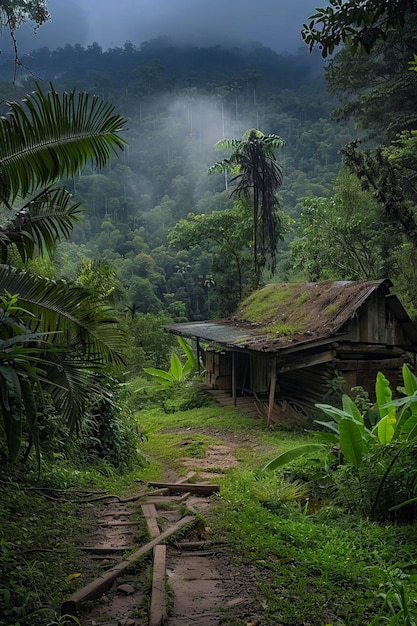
<point>350,435</point>
<point>349,432</point>
<point>177,371</point>
<point>406,423</point>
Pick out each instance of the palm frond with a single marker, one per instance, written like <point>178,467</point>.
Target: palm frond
<point>49,136</point>
<point>71,312</point>
<point>37,227</point>
<point>72,387</point>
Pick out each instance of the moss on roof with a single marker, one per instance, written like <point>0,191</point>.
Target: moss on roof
<point>288,309</point>
<point>277,309</point>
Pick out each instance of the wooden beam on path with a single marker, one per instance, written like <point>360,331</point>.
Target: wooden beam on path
<point>150,515</point>
<point>97,587</point>
<point>197,488</point>
<point>160,499</point>
<point>158,611</point>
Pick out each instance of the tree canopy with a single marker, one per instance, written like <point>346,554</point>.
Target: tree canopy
<point>259,176</point>
<point>358,24</point>
<point>377,90</point>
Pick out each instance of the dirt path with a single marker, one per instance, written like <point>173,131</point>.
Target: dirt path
<point>204,587</point>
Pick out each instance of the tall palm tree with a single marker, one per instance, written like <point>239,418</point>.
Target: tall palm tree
<point>55,338</point>
<point>258,175</point>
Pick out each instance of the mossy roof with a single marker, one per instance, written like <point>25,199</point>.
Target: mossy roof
<point>282,315</point>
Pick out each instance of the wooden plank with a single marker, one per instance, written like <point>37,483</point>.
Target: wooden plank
<point>105,548</point>
<point>158,610</point>
<point>150,515</point>
<point>149,510</point>
<point>98,586</point>
<point>159,492</point>
<point>377,348</point>
<point>192,545</point>
<point>160,499</point>
<point>196,488</point>
<point>379,364</point>
<point>303,360</point>
<point>110,523</point>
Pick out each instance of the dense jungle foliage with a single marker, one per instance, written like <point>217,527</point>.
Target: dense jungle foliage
<point>161,240</point>
<point>179,102</point>
<point>152,238</point>
<point>141,211</point>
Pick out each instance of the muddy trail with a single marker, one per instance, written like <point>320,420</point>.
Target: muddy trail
<point>150,559</point>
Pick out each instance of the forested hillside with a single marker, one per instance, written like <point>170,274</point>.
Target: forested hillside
<point>146,185</point>
<point>179,102</point>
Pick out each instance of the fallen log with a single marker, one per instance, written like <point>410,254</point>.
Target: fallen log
<point>97,587</point>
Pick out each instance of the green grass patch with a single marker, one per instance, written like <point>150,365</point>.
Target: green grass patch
<point>282,328</point>
<point>311,562</point>
<point>333,309</point>
<point>312,569</point>
<point>164,433</point>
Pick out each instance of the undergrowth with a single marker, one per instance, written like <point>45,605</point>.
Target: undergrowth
<point>314,565</point>
<point>311,562</point>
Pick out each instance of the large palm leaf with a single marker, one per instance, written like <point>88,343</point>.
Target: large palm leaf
<point>71,312</point>
<point>46,219</point>
<point>49,136</point>
<point>72,385</point>
<point>43,139</point>
<point>83,341</point>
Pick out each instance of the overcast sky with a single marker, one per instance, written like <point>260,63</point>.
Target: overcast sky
<point>274,23</point>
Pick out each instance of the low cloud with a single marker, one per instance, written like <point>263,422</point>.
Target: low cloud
<point>273,23</point>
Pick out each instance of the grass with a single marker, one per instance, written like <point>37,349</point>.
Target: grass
<point>311,565</point>
<point>164,433</point>
<point>311,569</point>
<point>262,305</point>
<point>37,554</point>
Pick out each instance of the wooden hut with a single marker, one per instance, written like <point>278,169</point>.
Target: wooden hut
<point>288,343</point>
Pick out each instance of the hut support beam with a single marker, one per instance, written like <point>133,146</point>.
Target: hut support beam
<point>197,346</point>
<point>234,379</point>
<point>272,387</point>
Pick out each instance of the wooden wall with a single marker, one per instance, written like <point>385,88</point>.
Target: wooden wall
<point>375,322</point>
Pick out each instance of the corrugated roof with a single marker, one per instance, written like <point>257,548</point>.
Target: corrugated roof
<point>285,315</point>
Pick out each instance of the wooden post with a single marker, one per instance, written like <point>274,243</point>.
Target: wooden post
<point>234,379</point>
<point>198,354</point>
<point>272,387</point>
